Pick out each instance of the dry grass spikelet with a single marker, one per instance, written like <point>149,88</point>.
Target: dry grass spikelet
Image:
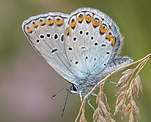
<point>129,85</point>
<point>123,92</point>
<point>82,117</point>
<point>102,113</point>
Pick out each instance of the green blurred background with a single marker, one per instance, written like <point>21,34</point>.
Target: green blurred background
<point>27,82</point>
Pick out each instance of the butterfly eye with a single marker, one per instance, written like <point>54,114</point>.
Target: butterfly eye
<point>74,88</point>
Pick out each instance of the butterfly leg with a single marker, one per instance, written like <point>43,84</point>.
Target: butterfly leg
<point>88,100</point>
<point>80,97</point>
<point>94,94</point>
<point>111,82</point>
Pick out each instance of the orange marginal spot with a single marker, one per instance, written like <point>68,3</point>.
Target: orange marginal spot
<point>35,25</point>
<point>96,22</point>
<point>59,22</point>
<point>42,22</point>
<point>103,30</point>
<point>80,18</point>
<point>73,24</point>
<point>88,18</point>
<point>68,31</point>
<point>50,22</point>
<point>29,30</point>
<point>109,37</point>
<point>113,41</point>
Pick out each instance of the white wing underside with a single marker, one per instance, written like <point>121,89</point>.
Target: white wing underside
<point>90,55</point>
<point>50,48</point>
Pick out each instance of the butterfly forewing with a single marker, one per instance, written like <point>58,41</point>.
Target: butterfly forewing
<point>46,34</point>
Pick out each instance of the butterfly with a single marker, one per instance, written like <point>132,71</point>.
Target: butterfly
<point>82,47</point>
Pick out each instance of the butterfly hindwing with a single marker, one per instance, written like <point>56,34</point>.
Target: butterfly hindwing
<point>91,41</point>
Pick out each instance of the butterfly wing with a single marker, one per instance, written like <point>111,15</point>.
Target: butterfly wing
<point>92,41</point>
<point>114,65</point>
<point>46,34</point>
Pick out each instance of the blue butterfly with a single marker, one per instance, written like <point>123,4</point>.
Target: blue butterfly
<point>81,47</point>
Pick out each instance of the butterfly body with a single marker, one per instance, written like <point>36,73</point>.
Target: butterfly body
<point>82,47</point>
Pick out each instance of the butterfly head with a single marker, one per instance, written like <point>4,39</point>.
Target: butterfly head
<point>82,89</point>
<point>74,89</point>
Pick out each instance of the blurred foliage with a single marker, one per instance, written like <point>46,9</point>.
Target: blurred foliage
<point>133,18</point>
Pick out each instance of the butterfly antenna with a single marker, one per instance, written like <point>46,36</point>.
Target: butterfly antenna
<point>59,91</point>
<point>65,104</point>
